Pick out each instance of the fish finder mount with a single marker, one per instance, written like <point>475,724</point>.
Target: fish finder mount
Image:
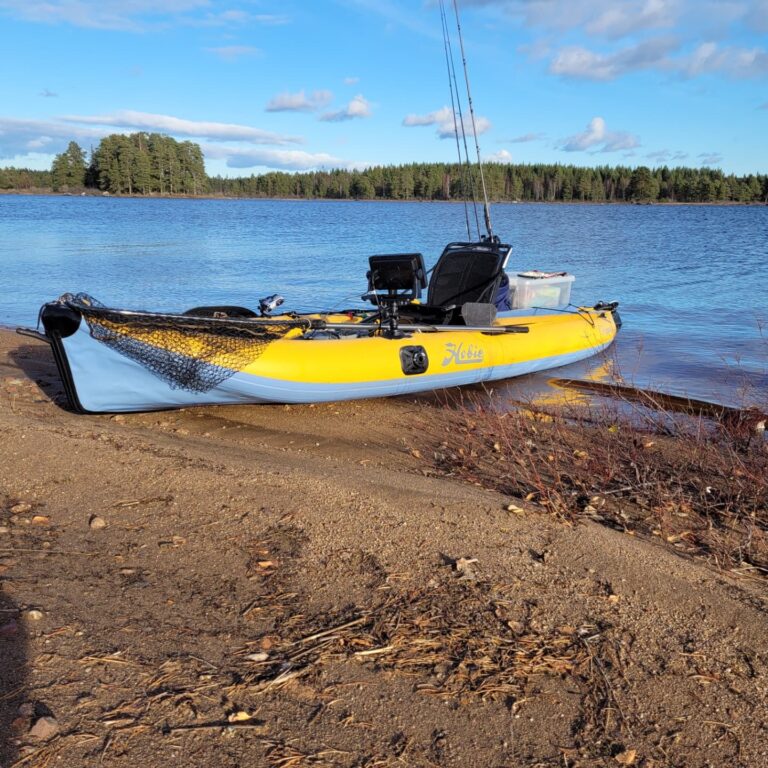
<point>394,280</point>
<point>269,304</point>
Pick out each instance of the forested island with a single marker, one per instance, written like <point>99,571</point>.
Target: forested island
<point>155,164</point>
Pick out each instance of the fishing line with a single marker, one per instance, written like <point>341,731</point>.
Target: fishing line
<point>462,172</point>
<point>486,209</point>
<point>467,166</point>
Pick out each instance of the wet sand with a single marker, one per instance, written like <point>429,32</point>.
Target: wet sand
<point>293,586</point>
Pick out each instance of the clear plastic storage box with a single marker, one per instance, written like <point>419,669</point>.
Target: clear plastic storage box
<point>531,290</point>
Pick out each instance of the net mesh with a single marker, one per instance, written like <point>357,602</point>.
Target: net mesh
<point>187,352</point>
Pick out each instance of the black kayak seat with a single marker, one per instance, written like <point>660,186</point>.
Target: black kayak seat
<point>464,273</point>
<point>467,272</point>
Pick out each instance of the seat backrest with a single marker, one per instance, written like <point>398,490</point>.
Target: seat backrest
<point>467,272</point>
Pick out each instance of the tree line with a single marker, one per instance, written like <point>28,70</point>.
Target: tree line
<point>138,164</point>
<point>155,164</point>
<point>537,182</point>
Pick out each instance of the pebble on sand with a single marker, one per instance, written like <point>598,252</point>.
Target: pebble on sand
<point>97,523</point>
<point>44,728</point>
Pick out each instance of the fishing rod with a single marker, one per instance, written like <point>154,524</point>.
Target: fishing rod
<point>466,168</point>
<point>486,207</point>
<point>364,328</point>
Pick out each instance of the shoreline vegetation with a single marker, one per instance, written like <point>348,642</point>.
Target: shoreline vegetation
<point>691,473</point>
<point>155,165</point>
<point>48,192</point>
<point>414,582</point>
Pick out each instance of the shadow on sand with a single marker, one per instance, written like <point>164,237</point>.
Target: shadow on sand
<point>13,659</point>
<point>36,362</point>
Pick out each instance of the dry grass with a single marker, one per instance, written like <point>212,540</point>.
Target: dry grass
<point>461,635</point>
<point>699,486</point>
<point>461,641</point>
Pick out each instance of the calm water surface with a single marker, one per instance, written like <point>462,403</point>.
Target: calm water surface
<point>691,280</point>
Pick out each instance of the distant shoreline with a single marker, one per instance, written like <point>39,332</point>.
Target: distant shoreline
<point>49,193</point>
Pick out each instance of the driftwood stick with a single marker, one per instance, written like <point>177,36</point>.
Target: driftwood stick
<point>219,725</point>
<point>331,631</point>
<point>47,552</point>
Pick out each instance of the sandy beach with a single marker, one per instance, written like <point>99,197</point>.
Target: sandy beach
<point>298,586</point>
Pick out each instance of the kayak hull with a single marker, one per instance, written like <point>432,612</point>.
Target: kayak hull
<point>294,369</point>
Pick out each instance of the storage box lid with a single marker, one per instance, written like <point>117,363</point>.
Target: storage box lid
<point>538,274</point>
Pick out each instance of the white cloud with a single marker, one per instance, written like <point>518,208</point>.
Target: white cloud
<point>100,14</point>
<point>232,52</point>
<point>271,19</point>
<point>230,18</point>
<point>143,121</point>
<point>605,18</point>
<point>576,61</point>
<point>437,117</point>
<point>359,107</point>
<point>706,58</point>
<point>285,159</point>
<point>537,49</point>
<point>526,137</point>
<point>666,156</point>
<point>626,18</point>
<point>396,16</point>
<point>709,58</point>
<point>482,124</point>
<point>39,140</point>
<point>502,156</point>
<point>134,15</point>
<point>620,19</point>
<point>21,137</point>
<point>710,158</point>
<point>687,46</point>
<point>444,121</point>
<point>351,80</point>
<point>299,102</point>
<point>598,138</point>
<point>757,17</point>
<point>579,62</point>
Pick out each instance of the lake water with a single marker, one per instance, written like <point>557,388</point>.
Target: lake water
<point>691,280</point>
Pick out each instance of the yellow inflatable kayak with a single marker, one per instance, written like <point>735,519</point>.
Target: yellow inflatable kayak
<point>471,329</point>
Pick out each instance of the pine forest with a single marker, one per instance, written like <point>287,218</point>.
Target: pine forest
<point>155,164</point>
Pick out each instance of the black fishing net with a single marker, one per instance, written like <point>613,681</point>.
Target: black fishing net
<point>188,352</point>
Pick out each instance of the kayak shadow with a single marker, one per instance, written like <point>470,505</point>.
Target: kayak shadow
<point>37,363</point>
<point>13,661</point>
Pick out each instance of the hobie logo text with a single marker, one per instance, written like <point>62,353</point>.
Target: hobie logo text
<point>461,355</point>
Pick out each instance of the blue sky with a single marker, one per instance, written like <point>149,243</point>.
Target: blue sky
<point>298,85</point>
